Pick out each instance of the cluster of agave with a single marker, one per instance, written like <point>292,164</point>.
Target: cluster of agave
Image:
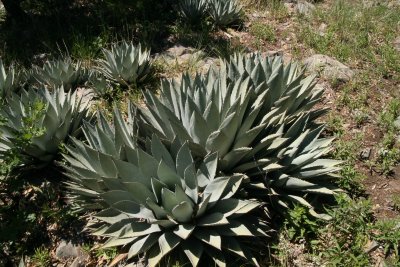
<point>125,64</point>
<point>222,12</point>
<point>191,172</point>
<point>256,113</point>
<point>36,121</point>
<point>44,120</point>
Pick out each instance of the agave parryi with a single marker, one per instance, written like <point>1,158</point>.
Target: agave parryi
<point>157,199</point>
<point>193,10</point>
<point>224,12</point>
<point>37,122</point>
<point>256,113</point>
<point>57,73</point>
<point>126,63</point>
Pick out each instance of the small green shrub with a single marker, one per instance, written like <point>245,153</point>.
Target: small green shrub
<point>262,32</point>
<point>299,224</point>
<point>35,124</point>
<point>42,257</point>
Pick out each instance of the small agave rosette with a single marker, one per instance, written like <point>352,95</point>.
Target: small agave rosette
<point>125,64</point>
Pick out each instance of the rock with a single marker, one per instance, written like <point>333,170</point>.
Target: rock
<point>67,250</point>
<point>272,53</point>
<point>180,54</point>
<point>365,153</point>
<point>304,8</point>
<point>322,29</point>
<point>371,246</point>
<point>180,58</point>
<point>397,122</point>
<point>393,3</point>
<point>328,68</point>
<point>206,64</point>
<point>396,44</point>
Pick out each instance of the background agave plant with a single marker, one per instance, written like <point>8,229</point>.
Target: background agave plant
<point>125,64</point>
<point>99,84</point>
<point>256,113</point>
<point>193,11</point>
<point>9,80</point>
<point>158,199</point>
<point>225,12</point>
<point>57,73</point>
<point>36,123</point>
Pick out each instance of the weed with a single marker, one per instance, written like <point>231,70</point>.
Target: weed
<point>262,31</point>
<point>342,241</point>
<point>351,180</point>
<point>300,224</point>
<point>13,157</point>
<point>388,116</point>
<point>42,257</point>
<point>396,202</point>
<point>334,124</point>
<point>387,233</point>
<point>106,253</point>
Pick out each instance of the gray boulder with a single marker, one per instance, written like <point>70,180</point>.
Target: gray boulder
<point>304,8</point>
<point>328,68</point>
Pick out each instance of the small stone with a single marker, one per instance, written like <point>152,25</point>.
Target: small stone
<point>322,29</point>
<point>371,246</point>
<point>66,250</point>
<point>365,153</point>
<point>397,122</point>
<point>396,44</point>
<point>304,8</point>
<point>272,53</point>
<point>328,68</point>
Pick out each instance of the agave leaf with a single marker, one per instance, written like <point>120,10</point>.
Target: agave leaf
<point>209,237</point>
<point>183,212</point>
<point>143,244</point>
<point>184,230</point>
<point>213,219</point>
<point>193,252</point>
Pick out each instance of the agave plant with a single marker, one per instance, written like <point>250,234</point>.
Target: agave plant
<point>57,73</point>
<point>158,199</point>
<point>9,80</point>
<point>193,11</point>
<point>256,113</point>
<point>225,12</point>
<point>35,124</point>
<point>99,84</point>
<point>125,63</point>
